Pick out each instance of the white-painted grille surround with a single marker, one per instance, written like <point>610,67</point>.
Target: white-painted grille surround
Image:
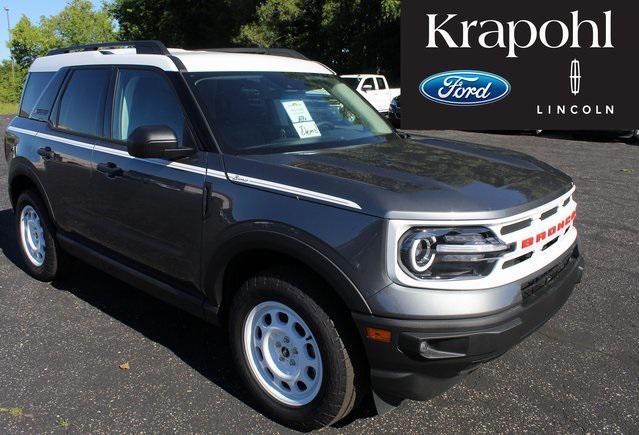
<point>499,276</point>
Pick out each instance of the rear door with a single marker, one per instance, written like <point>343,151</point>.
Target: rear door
<point>149,210</point>
<point>66,142</point>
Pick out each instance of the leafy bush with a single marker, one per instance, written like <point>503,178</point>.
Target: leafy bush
<point>10,86</point>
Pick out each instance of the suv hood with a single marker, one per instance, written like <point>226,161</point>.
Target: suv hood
<point>413,179</point>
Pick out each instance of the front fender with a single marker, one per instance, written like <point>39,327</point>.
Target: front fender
<point>288,241</point>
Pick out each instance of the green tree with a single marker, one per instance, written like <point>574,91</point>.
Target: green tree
<point>353,36</point>
<point>349,36</point>
<point>77,23</point>
<point>183,23</point>
<point>29,41</point>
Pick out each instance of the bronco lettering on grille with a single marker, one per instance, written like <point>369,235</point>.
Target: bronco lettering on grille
<point>527,243</point>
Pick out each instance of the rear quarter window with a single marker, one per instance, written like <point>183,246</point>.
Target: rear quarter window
<point>36,83</point>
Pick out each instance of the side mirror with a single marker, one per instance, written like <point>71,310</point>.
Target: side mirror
<point>367,88</point>
<point>155,142</point>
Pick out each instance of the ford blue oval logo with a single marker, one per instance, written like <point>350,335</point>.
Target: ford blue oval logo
<point>465,88</point>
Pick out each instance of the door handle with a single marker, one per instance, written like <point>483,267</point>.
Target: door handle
<point>46,153</point>
<point>111,170</point>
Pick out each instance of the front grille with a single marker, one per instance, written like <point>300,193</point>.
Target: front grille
<point>549,213</point>
<point>535,285</point>
<point>515,227</point>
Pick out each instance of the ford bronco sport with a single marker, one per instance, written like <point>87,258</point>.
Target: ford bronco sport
<point>256,190</point>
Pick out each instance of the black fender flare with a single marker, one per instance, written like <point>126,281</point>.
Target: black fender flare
<point>20,167</point>
<point>288,241</point>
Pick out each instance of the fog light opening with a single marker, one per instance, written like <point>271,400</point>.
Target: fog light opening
<point>443,348</point>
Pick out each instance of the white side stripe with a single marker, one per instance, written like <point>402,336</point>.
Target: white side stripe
<point>216,174</point>
<point>292,190</point>
<point>76,143</point>
<point>199,170</point>
<point>22,130</point>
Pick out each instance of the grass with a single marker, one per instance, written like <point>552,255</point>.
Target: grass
<point>64,423</point>
<point>8,108</point>
<point>13,412</point>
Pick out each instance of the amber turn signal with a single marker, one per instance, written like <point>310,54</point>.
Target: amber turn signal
<point>376,334</point>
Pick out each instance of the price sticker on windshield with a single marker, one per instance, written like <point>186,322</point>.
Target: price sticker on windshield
<point>301,118</point>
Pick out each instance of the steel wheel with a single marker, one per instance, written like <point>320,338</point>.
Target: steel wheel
<point>283,353</point>
<point>32,236</point>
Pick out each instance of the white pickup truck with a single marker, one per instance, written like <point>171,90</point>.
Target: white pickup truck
<point>374,88</point>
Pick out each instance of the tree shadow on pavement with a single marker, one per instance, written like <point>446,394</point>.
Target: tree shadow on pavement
<point>200,345</point>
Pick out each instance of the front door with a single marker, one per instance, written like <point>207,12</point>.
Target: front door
<point>149,210</point>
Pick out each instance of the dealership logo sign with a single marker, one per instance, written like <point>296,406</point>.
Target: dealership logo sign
<point>575,77</point>
<point>519,35</point>
<point>504,65</point>
<point>575,109</point>
<point>465,88</point>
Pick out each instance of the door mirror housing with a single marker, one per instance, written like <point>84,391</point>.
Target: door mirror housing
<point>367,88</point>
<point>156,142</point>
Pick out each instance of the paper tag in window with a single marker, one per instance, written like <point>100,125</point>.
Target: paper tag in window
<point>307,129</point>
<point>297,111</point>
<point>301,119</point>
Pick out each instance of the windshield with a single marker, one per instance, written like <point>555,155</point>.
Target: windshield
<point>269,112</point>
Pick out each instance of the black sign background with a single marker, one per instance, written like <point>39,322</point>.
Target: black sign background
<point>539,76</point>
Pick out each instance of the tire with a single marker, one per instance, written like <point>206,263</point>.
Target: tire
<point>43,261</point>
<point>333,392</point>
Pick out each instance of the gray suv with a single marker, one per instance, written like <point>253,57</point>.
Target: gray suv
<point>254,189</point>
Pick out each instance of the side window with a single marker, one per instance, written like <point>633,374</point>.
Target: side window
<point>82,104</point>
<point>42,109</point>
<point>146,98</point>
<point>368,82</point>
<point>380,84</point>
<point>35,85</point>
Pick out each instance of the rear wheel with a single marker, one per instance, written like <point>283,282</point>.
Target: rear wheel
<point>43,258</point>
<point>290,353</point>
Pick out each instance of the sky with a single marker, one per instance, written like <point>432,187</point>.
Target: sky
<point>33,9</point>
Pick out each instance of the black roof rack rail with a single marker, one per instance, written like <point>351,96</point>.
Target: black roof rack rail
<point>285,52</point>
<point>141,47</point>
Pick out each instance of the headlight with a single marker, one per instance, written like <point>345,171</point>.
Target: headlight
<point>440,253</point>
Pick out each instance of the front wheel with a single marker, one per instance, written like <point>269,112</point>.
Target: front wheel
<point>290,353</point>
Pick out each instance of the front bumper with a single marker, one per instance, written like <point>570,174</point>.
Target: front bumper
<point>402,369</point>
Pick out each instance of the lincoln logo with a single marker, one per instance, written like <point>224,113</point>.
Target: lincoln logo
<point>575,77</point>
<point>527,243</point>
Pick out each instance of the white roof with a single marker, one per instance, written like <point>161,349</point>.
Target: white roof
<point>358,76</point>
<point>194,61</point>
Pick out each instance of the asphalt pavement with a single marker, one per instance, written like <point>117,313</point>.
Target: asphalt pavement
<point>64,346</point>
